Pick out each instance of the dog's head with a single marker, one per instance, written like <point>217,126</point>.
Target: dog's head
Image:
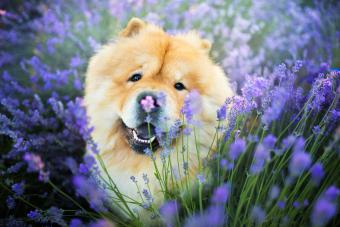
<point>145,74</point>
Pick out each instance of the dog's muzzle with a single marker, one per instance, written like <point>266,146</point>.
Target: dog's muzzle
<point>144,136</point>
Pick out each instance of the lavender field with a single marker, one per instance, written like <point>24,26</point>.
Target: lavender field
<point>278,157</point>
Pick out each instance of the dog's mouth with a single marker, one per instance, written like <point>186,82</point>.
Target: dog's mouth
<point>142,137</point>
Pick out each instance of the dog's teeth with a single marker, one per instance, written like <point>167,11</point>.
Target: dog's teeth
<point>135,136</point>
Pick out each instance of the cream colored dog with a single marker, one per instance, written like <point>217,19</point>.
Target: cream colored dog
<point>140,64</point>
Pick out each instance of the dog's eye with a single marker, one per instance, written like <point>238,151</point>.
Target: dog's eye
<point>179,86</point>
<point>135,77</point>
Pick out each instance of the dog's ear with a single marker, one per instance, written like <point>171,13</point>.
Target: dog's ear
<point>134,26</point>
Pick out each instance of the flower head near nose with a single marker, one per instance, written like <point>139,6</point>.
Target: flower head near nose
<point>148,103</point>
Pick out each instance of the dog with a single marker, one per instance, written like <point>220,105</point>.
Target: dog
<point>141,63</point>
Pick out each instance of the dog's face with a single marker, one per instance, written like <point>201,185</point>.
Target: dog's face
<point>146,74</point>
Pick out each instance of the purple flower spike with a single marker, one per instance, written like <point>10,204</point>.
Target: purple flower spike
<point>222,113</point>
<point>258,215</point>
<point>221,194</point>
<point>168,211</point>
<point>269,141</point>
<point>332,193</point>
<point>274,192</point>
<point>34,215</point>
<point>18,188</point>
<point>88,188</point>
<point>322,212</point>
<point>317,173</point>
<point>192,105</point>
<point>281,204</point>
<point>237,148</point>
<point>261,155</point>
<point>148,103</point>
<point>299,162</point>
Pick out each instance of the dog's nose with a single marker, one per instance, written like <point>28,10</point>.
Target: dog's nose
<point>148,102</point>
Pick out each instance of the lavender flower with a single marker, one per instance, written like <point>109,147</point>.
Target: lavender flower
<point>18,188</point>
<point>297,66</point>
<point>299,145</point>
<point>174,130</point>
<point>89,189</point>
<point>274,192</point>
<point>261,155</point>
<point>237,148</point>
<point>147,196</point>
<point>296,204</point>
<point>332,193</point>
<point>75,222</point>
<point>187,131</point>
<point>317,173</point>
<point>168,211</point>
<point>238,106</point>
<point>89,162</point>
<point>192,105</point>
<point>323,211</point>
<point>325,207</point>
<point>133,179</point>
<point>258,215</point>
<point>321,92</point>
<point>299,162</point>
<point>101,223</point>
<point>281,204</point>
<point>225,164</point>
<point>149,153</point>
<point>269,141</point>
<point>76,61</point>
<point>165,154</point>
<point>35,215</point>
<point>148,103</point>
<point>222,113</point>
<point>279,99</point>
<point>212,216</point>
<point>255,87</point>
<point>221,194</point>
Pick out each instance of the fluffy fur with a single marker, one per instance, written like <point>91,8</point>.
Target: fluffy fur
<point>163,60</point>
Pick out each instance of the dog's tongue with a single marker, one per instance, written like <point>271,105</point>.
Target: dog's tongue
<point>143,131</point>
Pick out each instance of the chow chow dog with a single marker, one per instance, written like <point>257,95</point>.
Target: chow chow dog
<point>142,62</point>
